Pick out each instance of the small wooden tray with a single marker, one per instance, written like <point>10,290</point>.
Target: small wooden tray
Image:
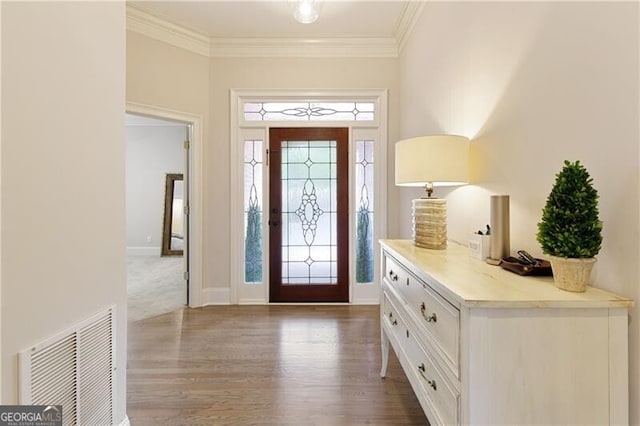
<point>512,264</point>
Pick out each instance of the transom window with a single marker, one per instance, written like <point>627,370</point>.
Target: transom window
<point>309,111</point>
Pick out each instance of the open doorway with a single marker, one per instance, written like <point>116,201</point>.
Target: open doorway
<point>157,278</point>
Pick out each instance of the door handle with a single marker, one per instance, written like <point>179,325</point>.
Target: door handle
<point>273,222</point>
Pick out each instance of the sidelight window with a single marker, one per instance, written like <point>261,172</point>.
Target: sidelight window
<point>364,211</point>
<point>253,211</point>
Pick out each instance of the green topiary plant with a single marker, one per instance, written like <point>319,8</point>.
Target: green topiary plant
<point>570,226</point>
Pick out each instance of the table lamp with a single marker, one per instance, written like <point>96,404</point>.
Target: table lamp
<point>440,160</point>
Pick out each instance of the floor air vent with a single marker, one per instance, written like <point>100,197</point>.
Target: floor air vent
<point>74,369</point>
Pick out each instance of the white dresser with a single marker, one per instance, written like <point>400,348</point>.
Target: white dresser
<point>483,346</point>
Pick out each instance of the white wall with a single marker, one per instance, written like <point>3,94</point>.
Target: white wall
<point>151,153</point>
<point>63,221</point>
<point>534,84</point>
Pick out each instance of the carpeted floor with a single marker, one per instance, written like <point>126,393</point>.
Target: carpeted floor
<point>155,286</point>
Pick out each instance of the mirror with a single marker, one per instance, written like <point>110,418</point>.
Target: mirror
<point>173,230</point>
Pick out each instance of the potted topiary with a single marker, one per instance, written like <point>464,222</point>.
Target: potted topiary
<point>570,231</point>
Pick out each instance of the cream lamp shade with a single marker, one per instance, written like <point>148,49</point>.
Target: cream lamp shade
<point>440,160</point>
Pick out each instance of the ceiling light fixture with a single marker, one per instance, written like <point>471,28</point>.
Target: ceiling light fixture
<point>305,11</point>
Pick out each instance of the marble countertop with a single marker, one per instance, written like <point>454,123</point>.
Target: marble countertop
<point>474,283</point>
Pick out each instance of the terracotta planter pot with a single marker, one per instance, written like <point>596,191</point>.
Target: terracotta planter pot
<point>572,274</point>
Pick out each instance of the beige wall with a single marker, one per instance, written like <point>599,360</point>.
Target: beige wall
<point>63,222</point>
<point>162,75</point>
<point>534,84</point>
<point>169,78</point>
<point>165,76</point>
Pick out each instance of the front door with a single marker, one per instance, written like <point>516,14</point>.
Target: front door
<point>308,215</point>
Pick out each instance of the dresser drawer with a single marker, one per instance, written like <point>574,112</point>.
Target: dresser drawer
<point>439,399</point>
<point>431,312</point>
<point>392,319</point>
<point>396,275</point>
<point>443,398</point>
<point>439,318</point>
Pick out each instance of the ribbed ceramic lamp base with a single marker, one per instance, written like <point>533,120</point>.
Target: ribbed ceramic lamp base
<point>430,223</point>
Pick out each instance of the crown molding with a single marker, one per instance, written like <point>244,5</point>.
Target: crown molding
<point>406,21</point>
<point>304,48</point>
<point>156,28</point>
<point>144,23</point>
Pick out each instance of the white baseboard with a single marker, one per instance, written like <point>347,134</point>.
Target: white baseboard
<point>375,301</point>
<point>365,294</point>
<point>222,296</point>
<point>252,302</point>
<point>143,251</point>
<point>125,422</point>
<point>216,296</point>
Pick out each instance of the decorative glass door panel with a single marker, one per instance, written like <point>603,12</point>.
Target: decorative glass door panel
<point>308,215</point>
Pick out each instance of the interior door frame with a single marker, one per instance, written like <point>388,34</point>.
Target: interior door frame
<point>193,175</point>
<point>241,129</point>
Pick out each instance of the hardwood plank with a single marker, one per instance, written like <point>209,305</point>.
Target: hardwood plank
<point>265,365</point>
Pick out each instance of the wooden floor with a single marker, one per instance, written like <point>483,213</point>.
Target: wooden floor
<point>265,365</point>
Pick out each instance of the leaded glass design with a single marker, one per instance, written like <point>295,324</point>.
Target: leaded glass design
<point>253,211</point>
<point>309,212</point>
<point>364,214</point>
<point>309,111</point>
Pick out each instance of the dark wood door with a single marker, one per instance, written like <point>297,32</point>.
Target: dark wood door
<point>308,215</point>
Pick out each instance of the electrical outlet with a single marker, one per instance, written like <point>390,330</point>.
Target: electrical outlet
<point>148,238</point>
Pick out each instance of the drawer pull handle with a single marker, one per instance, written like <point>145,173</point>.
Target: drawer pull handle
<point>393,321</point>
<point>431,383</point>
<point>430,318</point>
